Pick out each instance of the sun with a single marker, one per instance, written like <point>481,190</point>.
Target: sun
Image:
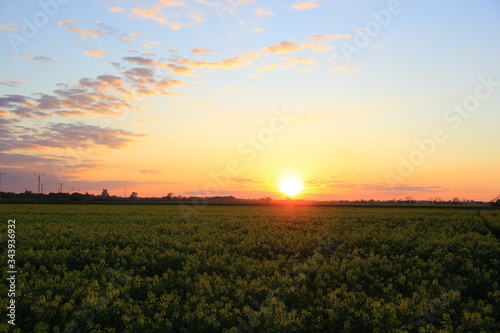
<point>291,186</point>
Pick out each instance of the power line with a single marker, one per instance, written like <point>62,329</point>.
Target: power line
<point>60,190</point>
<point>39,176</point>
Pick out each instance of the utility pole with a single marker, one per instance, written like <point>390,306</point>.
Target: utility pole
<point>72,187</point>
<point>39,176</point>
<point>60,190</point>
<point>124,192</point>
<point>41,192</point>
<point>1,173</point>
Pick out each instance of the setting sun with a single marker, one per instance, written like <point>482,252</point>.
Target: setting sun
<point>291,186</point>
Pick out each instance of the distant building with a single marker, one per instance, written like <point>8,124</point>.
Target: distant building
<point>105,193</point>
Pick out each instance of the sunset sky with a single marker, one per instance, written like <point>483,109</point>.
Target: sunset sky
<point>357,99</point>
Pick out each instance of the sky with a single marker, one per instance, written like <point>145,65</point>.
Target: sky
<point>356,99</point>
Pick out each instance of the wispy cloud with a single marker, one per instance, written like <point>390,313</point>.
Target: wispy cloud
<point>96,53</point>
<point>285,46</point>
<point>116,10</point>
<point>263,12</point>
<point>324,182</point>
<point>10,27</point>
<point>150,171</point>
<point>344,68</point>
<point>271,67</point>
<point>155,13</point>
<point>176,69</point>
<point>223,63</point>
<point>64,135</point>
<point>38,59</point>
<point>305,5</point>
<point>201,51</point>
<point>321,37</point>
<point>12,83</point>
<point>290,46</point>
<point>301,60</point>
<point>68,25</point>
<point>66,22</point>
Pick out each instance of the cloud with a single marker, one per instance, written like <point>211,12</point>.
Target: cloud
<point>285,46</point>
<point>316,47</point>
<point>140,61</point>
<point>116,10</point>
<point>155,13</point>
<point>42,59</point>
<point>85,32</point>
<point>176,69</point>
<point>10,27</point>
<point>96,53</point>
<point>251,55</point>
<point>126,38</point>
<point>262,12</point>
<point>271,67</point>
<point>12,83</point>
<point>302,60</point>
<point>106,94</point>
<point>150,171</point>
<point>320,37</point>
<point>83,135</point>
<point>290,46</point>
<point>24,160</point>
<point>103,95</point>
<point>66,22</point>
<point>65,135</point>
<point>325,182</point>
<point>21,106</point>
<point>202,51</point>
<point>344,68</point>
<point>151,45</point>
<point>224,63</point>
<point>305,5</point>
<point>145,83</point>
<point>80,31</point>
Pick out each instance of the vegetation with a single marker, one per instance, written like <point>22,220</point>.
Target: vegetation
<point>140,268</point>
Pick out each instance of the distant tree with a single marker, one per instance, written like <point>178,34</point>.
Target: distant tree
<point>133,195</point>
<point>409,199</point>
<point>75,196</point>
<point>169,196</point>
<point>456,200</point>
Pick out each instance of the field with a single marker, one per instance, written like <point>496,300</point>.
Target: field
<point>142,268</point>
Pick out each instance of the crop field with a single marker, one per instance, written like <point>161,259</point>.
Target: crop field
<point>143,268</point>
